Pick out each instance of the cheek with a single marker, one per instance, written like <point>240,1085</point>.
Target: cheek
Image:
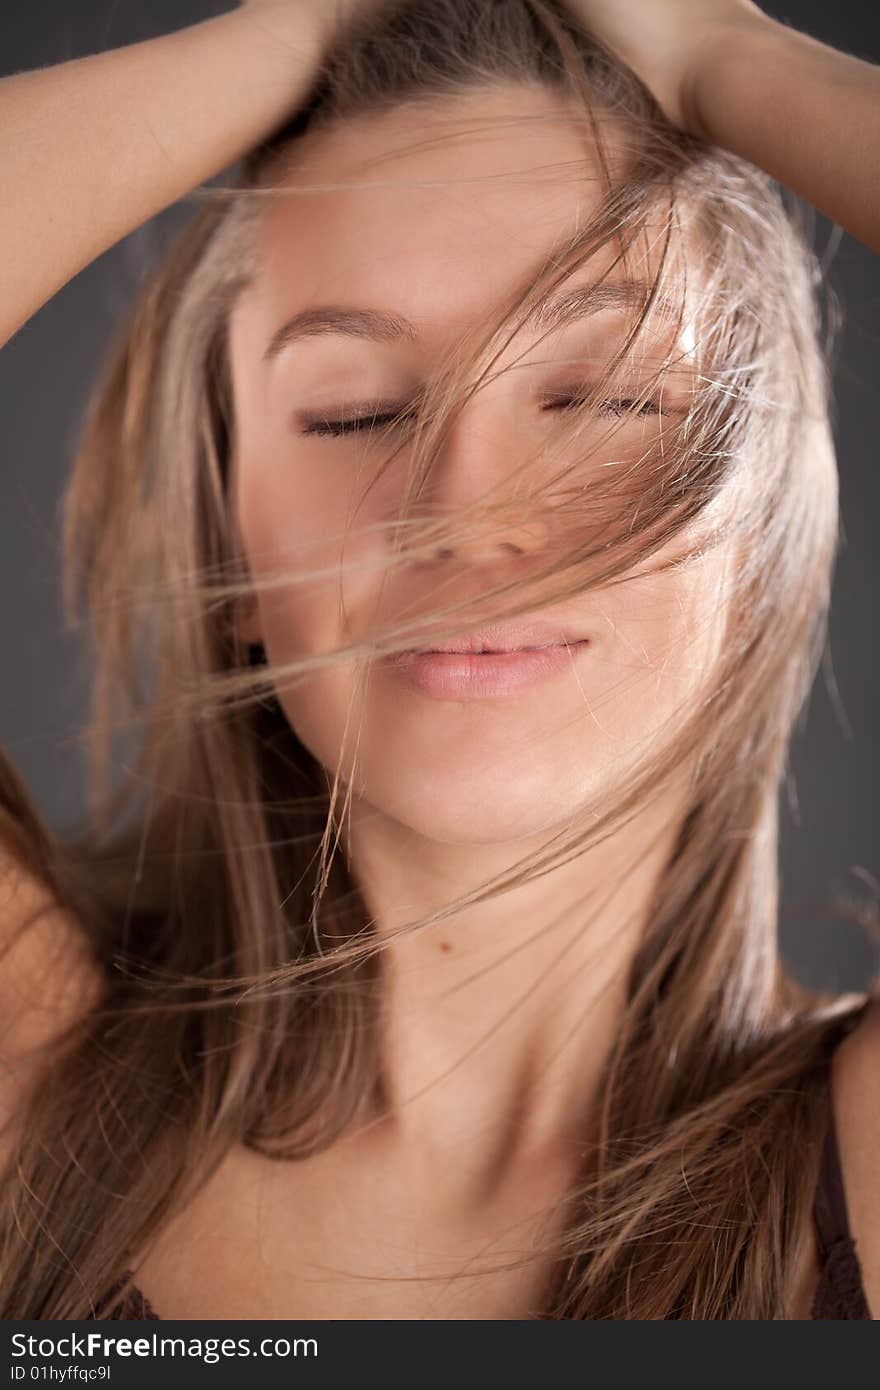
<point>316,525</point>
<point>662,638</point>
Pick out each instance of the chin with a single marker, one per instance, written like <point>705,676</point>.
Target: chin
<point>456,807</point>
<point>465,780</point>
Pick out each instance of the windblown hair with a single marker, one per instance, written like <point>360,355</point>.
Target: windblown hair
<point>241,980</point>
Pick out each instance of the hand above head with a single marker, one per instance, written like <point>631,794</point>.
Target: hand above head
<point>727,72</point>
<point>103,143</point>
<point>663,41</point>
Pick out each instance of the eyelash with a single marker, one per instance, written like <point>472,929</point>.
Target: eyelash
<point>358,423</point>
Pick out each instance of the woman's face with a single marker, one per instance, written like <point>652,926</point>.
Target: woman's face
<point>441,256</point>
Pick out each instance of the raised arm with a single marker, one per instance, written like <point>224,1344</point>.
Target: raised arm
<point>723,69</point>
<point>94,147</point>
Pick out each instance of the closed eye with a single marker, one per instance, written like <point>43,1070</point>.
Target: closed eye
<point>613,407</point>
<point>383,420</point>
<point>353,424</point>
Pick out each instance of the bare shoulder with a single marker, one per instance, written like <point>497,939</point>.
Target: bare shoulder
<point>855,1081</point>
<point>47,975</point>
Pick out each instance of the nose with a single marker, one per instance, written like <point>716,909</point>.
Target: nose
<point>468,472</point>
<point>489,542</point>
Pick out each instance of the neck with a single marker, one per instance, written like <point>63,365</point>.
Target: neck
<point>498,1019</point>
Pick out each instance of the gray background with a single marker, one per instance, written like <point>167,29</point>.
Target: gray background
<point>830,844</point>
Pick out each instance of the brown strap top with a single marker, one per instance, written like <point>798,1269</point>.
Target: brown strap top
<point>840,1292</point>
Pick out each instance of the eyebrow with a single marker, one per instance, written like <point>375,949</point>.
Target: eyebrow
<point>383,327</point>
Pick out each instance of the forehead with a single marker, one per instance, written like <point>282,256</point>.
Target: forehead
<point>441,210</point>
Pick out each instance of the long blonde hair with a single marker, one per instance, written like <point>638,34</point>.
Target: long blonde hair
<point>241,981</point>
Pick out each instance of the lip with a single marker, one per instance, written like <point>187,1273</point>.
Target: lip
<point>509,637</point>
<point>475,675</point>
